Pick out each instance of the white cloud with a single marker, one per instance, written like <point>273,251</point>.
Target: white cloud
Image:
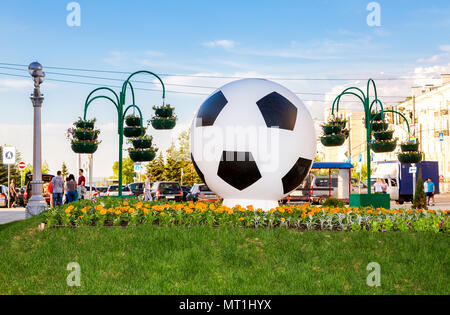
<point>444,55</point>
<point>16,83</point>
<point>224,43</point>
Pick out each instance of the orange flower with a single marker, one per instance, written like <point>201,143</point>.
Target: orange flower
<point>242,219</point>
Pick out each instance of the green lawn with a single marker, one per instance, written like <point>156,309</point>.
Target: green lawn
<point>202,260</point>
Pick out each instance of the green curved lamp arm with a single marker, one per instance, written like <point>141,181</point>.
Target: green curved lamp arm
<point>381,105</point>
<point>124,87</point>
<point>86,106</point>
<point>107,89</point>
<point>139,110</point>
<point>345,92</point>
<point>374,88</point>
<point>394,112</point>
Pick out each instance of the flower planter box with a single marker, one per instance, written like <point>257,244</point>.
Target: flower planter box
<point>84,125</point>
<point>331,129</point>
<point>372,200</point>
<point>142,155</point>
<point>410,157</point>
<point>383,146</point>
<point>142,143</point>
<point>380,126</point>
<point>86,135</point>
<point>409,147</point>
<point>133,132</point>
<point>84,147</point>
<point>132,121</point>
<point>164,112</point>
<point>163,123</point>
<point>383,135</point>
<point>333,140</point>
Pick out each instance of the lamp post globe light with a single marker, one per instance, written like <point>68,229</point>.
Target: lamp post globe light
<point>37,203</point>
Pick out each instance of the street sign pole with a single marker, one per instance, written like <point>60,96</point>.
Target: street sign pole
<point>413,170</point>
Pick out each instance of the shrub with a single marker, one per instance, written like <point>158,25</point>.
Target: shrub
<point>420,200</point>
<point>333,203</point>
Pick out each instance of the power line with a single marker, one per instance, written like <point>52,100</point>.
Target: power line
<point>226,77</point>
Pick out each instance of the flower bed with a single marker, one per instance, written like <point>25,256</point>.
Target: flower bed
<point>132,212</point>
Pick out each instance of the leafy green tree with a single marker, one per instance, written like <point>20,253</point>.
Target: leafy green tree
<point>64,170</point>
<point>420,200</point>
<point>156,168</point>
<point>128,173</point>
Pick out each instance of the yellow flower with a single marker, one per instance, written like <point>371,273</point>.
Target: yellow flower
<point>283,219</point>
<point>67,210</point>
<point>103,212</point>
<point>126,203</point>
<point>242,219</point>
<point>118,212</point>
<point>69,215</point>
<point>162,213</point>
<point>83,210</point>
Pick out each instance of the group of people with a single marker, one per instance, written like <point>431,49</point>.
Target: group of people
<point>68,190</point>
<point>429,188</point>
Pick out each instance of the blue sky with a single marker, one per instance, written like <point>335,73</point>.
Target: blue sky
<point>281,39</point>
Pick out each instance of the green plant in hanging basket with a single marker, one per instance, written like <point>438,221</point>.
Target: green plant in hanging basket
<point>86,134</point>
<point>146,155</point>
<point>133,132</point>
<point>144,142</point>
<point>376,116</point>
<point>410,157</point>
<point>164,111</point>
<point>84,124</point>
<point>379,126</point>
<point>133,121</point>
<point>160,123</point>
<point>409,146</point>
<point>338,122</point>
<point>383,146</point>
<point>85,147</point>
<point>333,140</point>
<point>331,129</point>
<point>383,135</point>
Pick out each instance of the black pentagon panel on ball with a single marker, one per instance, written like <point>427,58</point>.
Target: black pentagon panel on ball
<point>200,174</point>
<point>278,111</point>
<point>238,169</point>
<point>210,109</point>
<point>296,175</point>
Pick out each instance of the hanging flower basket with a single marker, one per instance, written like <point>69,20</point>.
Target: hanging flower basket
<point>410,157</point>
<point>383,146</point>
<point>133,132</point>
<point>164,111</point>
<point>409,147</point>
<point>346,133</point>
<point>84,147</point>
<point>338,122</point>
<point>142,142</point>
<point>86,134</point>
<point>333,140</point>
<point>142,155</point>
<point>160,123</point>
<point>331,129</point>
<point>376,116</point>
<point>383,135</point>
<point>380,126</point>
<point>84,124</point>
<point>133,121</point>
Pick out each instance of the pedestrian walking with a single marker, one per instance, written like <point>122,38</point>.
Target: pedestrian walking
<point>384,186</point>
<point>378,187</point>
<point>12,194</point>
<point>72,193</point>
<point>430,191</point>
<point>147,188</point>
<point>81,184</point>
<point>58,189</point>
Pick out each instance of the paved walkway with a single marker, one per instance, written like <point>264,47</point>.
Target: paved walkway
<point>11,215</point>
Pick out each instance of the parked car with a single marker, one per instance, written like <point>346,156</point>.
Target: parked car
<point>137,188</point>
<point>95,193</point>
<point>201,192</point>
<point>167,190</point>
<point>113,191</point>
<point>3,196</point>
<point>46,178</point>
<point>186,190</point>
<point>102,190</point>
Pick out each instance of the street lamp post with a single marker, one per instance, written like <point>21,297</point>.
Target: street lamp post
<point>37,203</point>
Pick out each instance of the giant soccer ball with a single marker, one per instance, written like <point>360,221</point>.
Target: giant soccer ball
<point>253,142</point>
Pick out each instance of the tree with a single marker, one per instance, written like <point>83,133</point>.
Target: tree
<point>64,170</point>
<point>156,168</point>
<point>128,173</point>
<point>420,200</point>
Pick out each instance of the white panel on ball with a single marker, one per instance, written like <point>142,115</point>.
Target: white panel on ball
<point>254,142</point>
